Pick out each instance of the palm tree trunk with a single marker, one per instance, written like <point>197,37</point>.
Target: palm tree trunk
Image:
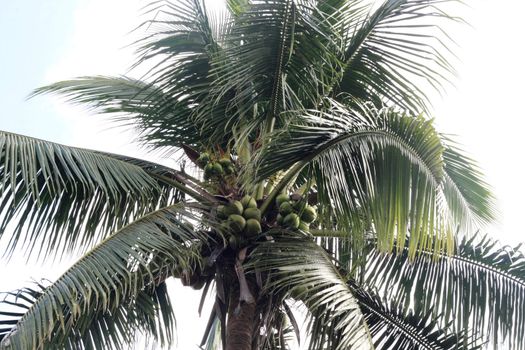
<point>240,324</point>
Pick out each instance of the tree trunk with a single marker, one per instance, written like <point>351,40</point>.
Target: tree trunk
<point>240,323</point>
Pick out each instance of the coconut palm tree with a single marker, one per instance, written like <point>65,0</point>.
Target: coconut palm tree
<point>310,179</point>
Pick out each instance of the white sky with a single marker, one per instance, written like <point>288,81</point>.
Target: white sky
<point>484,109</point>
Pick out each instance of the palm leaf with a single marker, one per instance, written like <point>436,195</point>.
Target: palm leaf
<point>51,189</point>
<point>147,315</point>
<point>374,166</point>
<point>291,264</point>
<point>184,43</point>
<point>139,256</point>
<point>396,53</point>
<point>393,328</point>
<point>479,288</point>
<point>465,188</point>
<point>161,120</point>
<point>279,55</point>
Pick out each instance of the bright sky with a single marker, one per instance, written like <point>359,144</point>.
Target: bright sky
<point>45,41</point>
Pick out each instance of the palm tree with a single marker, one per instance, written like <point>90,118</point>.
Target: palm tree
<point>310,178</point>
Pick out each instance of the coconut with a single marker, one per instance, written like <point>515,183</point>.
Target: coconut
<point>217,169</point>
<point>234,242</point>
<point>221,214</point>
<point>253,227</point>
<point>291,221</point>
<point>279,219</point>
<point>309,214</point>
<point>252,213</point>
<point>225,162</point>
<point>248,202</point>
<point>303,226</point>
<point>285,208</point>
<point>229,169</point>
<point>208,171</point>
<point>238,206</point>
<point>203,159</point>
<point>283,197</point>
<point>234,207</point>
<point>237,223</point>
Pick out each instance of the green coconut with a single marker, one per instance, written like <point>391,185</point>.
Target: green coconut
<point>252,213</point>
<point>203,159</point>
<point>279,219</point>
<point>303,226</point>
<point>237,223</point>
<point>234,207</point>
<point>309,214</point>
<point>253,227</point>
<point>291,221</point>
<point>208,171</point>
<point>225,162</point>
<point>217,169</point>
<point>248,202</point>
<point>285,208</point>
<point>229,169</point>
<point>238,206</point>
<point>221,214</point>
<point>283,197</point>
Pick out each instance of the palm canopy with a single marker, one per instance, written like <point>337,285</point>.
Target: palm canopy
<point>313,161</point>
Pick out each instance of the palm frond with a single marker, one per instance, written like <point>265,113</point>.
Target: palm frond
<point>183,45</point>
<point>479,288</point>
<point>71,196</point>
<point>397,52</point>
<point>146,315</point>
<point>301,268</point>
<point>279,55</point>
<point>394,328</point>
<point>383,168</point>
<point>465,188</point>
<point>116,272</point>
<point>181,42</point>
<point>160,118</point>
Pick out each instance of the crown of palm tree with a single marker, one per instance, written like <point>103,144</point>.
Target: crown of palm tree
<point>318,181</point>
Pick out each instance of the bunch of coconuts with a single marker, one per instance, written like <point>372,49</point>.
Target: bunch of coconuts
<point>294,214</point>
<point>242,220</point>
<point>215,168</point>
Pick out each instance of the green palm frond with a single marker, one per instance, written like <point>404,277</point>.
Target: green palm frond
<point>279,55</point>
<point>134,259</point>
<point>379,166</point>
<point>479,288</point>
<point>465,188</point>
<point>393,328</point>
<point>178,52</point>
<point>146,315</point>
<point>301,268</point>
<point>161,120</point>
<point>397,53</point>
<point>51,189</point>
<point>187,39</point>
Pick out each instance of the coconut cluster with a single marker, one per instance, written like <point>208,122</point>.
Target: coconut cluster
<point>215,168</point>
<point>294,214</point>
<point>241,220</point>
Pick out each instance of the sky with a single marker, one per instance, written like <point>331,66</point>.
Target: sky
<point>45,41</point>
